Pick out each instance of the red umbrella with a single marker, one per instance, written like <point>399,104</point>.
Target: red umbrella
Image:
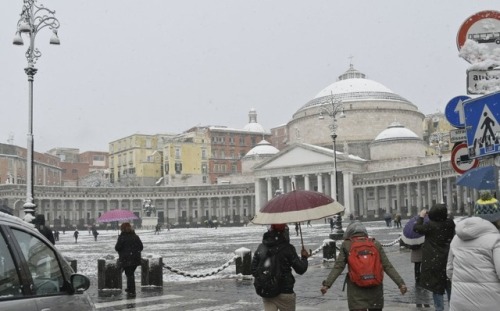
<point>117,215</point>
<point>297,206</point>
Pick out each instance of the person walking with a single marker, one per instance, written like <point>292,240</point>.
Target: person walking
<point>416,259</point>
<point>75,235</point>
<point>362,298</point>
<point>397,220</point>
<point>277,241</point>
<point>129,247</point>
<point>95,233</point>
<point>474,261</point>
<point>40,225</point>
<point>388,219</point>
<point>438,232</point>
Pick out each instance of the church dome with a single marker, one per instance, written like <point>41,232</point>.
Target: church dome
<point>263,148</point>
<point>353,86</point>
<point>396,131</point>
<point>252,125</point>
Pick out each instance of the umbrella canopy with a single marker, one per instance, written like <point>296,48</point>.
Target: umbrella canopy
<point>409,236</point>
<point>478,178</point>
<point>297,206</point>
<point>117,215</point>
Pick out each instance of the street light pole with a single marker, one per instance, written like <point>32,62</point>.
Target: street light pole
<point>438,139</point>
<point>336,108</point>
<point>33,18</point>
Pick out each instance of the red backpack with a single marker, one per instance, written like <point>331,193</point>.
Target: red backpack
<point>365,266</point>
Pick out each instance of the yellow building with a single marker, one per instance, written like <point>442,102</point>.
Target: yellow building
<point>186,158</point>
<point>136,160</point>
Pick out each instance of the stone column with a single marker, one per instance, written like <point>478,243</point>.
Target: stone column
<point>306,182</point>
<point>242,213</point>
<point>257,193</point>
<point>449,195</point>
<point>177,215</point>
<point>293,183</point>
<point>377,202</point>
<point>398,197</point>
<point>365,203</point>
<point>282,188</point>
<point>388,208</point>
<point>429,193</point>
<point>408,198</point>
<point>459,199</point>
<point>269,188</point>
<point>319,178</point>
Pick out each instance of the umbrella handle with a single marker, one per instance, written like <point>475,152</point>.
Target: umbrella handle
<point>301,239</point>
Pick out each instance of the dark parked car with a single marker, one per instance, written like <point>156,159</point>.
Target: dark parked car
<point>34,275</point>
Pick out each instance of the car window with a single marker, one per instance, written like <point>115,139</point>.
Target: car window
<point>10,285</point>
<point>42,262</point>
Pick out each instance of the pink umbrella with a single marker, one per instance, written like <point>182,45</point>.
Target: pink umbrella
<point>117,215</point>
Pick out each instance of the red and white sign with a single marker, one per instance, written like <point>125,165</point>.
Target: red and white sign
<point>460,160</point>
<point>482,27</point>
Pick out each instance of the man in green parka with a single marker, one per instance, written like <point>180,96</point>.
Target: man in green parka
<point>362,298</point>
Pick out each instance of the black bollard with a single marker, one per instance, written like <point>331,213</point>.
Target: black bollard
<point>152,271</point>
<point>244,261</point>
<point>329,250</point>
<point>109,275</point>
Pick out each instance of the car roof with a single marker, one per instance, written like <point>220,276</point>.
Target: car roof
<point>7,219</point>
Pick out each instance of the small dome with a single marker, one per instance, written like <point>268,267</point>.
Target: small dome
<point>252,125</point>
<point>262,148</point>
<point>396,131</point>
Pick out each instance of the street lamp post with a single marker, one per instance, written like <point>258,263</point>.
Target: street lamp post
<point>335,109</point>
<point>33,18</point>
<point>438,144</point>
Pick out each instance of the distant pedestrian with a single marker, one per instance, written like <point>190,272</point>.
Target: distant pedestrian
<point>276,243</point>
<point>388,219</point>
<point>40,225</point>
<point>397,220</point>
<point>474,260</point>
<point>56,235</point>
<point>362,298</point>
<point>129,247</point>
<point>309,223</point>
<point>439,232</point>
<point>95,233</point>
<point>157,229</point>
<point>75,235</point>
<point>297,228</point>
<point>332,224</point>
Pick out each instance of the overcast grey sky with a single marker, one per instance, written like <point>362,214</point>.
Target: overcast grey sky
<point>126,67</point>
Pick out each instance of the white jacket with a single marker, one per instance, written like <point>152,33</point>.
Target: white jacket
<point>474,266</point>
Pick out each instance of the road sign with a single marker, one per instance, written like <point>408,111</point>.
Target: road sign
<point>454,111</point>
<point>483,81</point>
<point>458,135</point>
<point>481,123</point>
<point>460,160</point>
<point>482,27</point>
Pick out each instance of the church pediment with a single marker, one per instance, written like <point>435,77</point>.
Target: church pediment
<point>297,155</point>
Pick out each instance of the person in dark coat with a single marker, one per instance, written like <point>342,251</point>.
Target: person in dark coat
<point>40,225</point>
<point>129,247</point>
<point>439,232</point>
<point>75,235</point>
<point>362,298</point>
<point>278,238</point>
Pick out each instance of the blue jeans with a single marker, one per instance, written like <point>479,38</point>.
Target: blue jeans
<point>439,299</point>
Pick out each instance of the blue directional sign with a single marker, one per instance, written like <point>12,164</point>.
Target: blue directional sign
<point>482,117</point>
<point>454,111</point>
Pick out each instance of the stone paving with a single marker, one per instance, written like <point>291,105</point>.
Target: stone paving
<point>230,293</point>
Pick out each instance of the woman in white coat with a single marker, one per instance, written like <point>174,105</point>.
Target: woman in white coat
<point>474,261</point>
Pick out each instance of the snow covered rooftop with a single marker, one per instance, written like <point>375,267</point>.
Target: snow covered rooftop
<point>352,86</point>
<point>396,131</point>
<point>262,148</point>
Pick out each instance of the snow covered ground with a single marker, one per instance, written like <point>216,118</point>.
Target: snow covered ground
<point>195,250</point>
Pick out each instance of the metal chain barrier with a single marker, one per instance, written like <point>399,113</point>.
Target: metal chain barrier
<point>392,243</point>
<point>239,276</point>
<point>187,274</point>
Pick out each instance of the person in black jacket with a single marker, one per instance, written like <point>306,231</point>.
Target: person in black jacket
<point>439,232</point>
<point>40,225</point>
<point>278,237</point>
<point>129,247</point>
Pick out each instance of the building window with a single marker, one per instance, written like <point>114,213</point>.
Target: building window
<point>177,153</point>
<point>203,154</point>
<point>204,168</point>
<point>234,168</point>
<point>204,179</point>
<point>178,168</point>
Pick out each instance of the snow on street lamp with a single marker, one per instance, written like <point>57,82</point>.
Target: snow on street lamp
<point>438,143</point>
<point>33,18</point>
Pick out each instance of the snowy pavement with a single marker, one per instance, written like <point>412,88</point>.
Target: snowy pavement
<point>204,250</point>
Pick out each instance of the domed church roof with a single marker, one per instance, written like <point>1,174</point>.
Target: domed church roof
<point>252,125</point>
<point>263,148</point>
<point>396,131</point>
<point>352,85</point>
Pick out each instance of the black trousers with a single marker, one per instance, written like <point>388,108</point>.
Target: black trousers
<point>130,274</point>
